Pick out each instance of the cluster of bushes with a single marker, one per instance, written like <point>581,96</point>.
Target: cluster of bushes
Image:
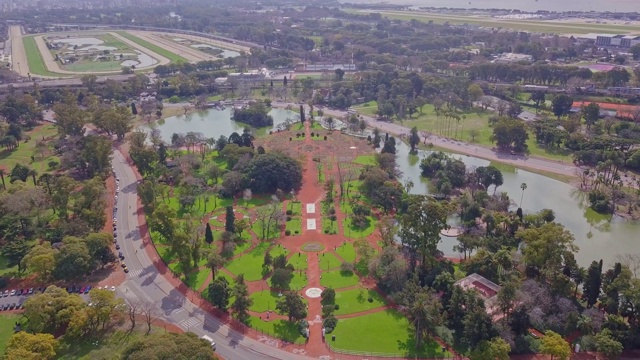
<point>328,307</point>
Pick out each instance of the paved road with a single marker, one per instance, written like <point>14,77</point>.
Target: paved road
<point>144,282</point>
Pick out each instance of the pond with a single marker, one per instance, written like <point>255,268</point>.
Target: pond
<point>143,60</point>
<point>596,236</point>
<point>79,41</point>
<point>213,122</point>
<point>225,53</point>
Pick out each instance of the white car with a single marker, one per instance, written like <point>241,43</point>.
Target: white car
<point>13,292</point>
<point>113,288</point>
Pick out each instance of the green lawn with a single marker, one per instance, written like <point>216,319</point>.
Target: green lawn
<point>253,202</point>
<point>299,281</point>
<point>6,329</point>
<point>34,58</point>
<point>356,300</point>
<point>158,50</point>
<point>294,226</point>
<point>165,253</point>
<point>94,66</point>
<point>295,207</point>
<point>264,300</point>
<point>197,279</point>
<point>299,261</point>
<point>347,252</point>
<point>249,264</point>
<point>329,227</point>
<point>355,232</point>
<point>338,279</point>
<point>386,332</point>
<point>6,270</point>
<point>27,149</point>
<point>328,261</point>
<point>370,108</point>
<point>365,160</point>
<point>280,329</point>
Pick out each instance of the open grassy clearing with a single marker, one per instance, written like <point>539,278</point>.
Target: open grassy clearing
<point>294,226</point>
<point>158,50</point>
<point>42,154</point>
<point>7,322</point>
<point>357,300</point>
<point>328,226</point>
<point>355,232</point>
<point>281,329</point>
<point>197,279</point>
<point>386,332</point>
<point>249,264</point>
<point>299,261</point>
<point>35,60</point>
<point>328,261</point>
<point>347,252</point>
<point>338,279</point>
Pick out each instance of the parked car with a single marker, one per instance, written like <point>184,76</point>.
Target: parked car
<point>30,291</point>
<point>5,307</point>
<point>120,255</point>
<point>123,264</point>
<point>117,247</point>
<point>113,288</point>
<point>82,290</point>
<point>12,306</point>
<point>19,292</point>
<point>87,289</point>
<point>126,269</point>
<point>13,292</point>
<point>25,292</point>
<point>6,293</point>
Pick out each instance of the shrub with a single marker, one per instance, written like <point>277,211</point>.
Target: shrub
<point>330,323</point>
<point>296,231</point>
<point>332,211</point>
<point>347,267</point>
<point>312,134</point>
<point>327,310</point>
<point>328,296</point>
<point>288,218</point>
<point>53,164</point>
<point>303,325</point>
<point>3,282</point>
<point>370,299</point>
<point>336,306</point>
<point>290,139</point>
<point>326,231</point>
<point>287,232</point>
<point>289,212</point>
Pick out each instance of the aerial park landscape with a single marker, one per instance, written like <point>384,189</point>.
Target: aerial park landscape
<point>346,183</point>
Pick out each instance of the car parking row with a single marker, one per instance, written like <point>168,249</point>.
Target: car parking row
<point>115,225</point>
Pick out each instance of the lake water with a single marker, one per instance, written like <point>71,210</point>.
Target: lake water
<point>225,53</point>
<point>594,234</point>
<point>213,123</point>
<point>597,237</point>
<point>80,41</point>
<point>524,5</point>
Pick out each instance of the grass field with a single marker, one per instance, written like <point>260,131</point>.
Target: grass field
<point>249,264</point>
<point>34,58</point>
<point>294,226</point>
<point>281,329</point>
<point>158,50</point>
<point>197,279</point>
<point>338,279</point>
<point>347,252</point>
<point>22,154</point>
<point>94,66</point>
<point>299,261</point>
<point>355,232</point>
<point>526,25</point>
<point>328,226</point>
<point>381,332</point>
<point>6,329</point>
<point>357,300</point>
<point>328,261</point>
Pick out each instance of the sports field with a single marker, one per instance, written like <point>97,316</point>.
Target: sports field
<point>107,55</point>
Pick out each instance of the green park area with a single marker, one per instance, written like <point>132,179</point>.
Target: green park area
<point>338,279</point>
<point>7,325</point>
<point>35,151</point>
<point>157,49</point>
<point>385,332</point>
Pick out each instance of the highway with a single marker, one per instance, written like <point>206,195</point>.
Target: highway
<point>145,282</point>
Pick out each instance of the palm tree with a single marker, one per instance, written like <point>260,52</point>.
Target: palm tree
<point>46,178</point>
<point>423,317</point>
<point>523,186</point>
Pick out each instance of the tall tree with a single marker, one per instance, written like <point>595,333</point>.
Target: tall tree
<point>553,344</point>
<point>208,234</point>
<point>425,315</point>
<point>592,283</point>
<point>591,114</point>
<point>292,305</point>
<point>23,345</point>
<point>414,139</point>
<point>242,300</point>
<point>421,225</point>
<point>219,293</point>
<point>230,219</point>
